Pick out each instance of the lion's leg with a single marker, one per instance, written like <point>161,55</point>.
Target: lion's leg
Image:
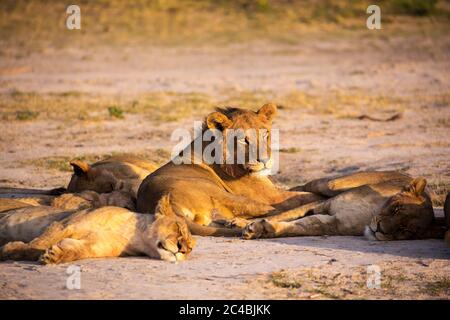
<point>331,187</point>
<point>31,251</point>
<point>318,207</point>
<point>315,225</point>
<point>18,250</point>
<point>68,250</point>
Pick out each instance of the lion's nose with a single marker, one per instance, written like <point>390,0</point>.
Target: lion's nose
<point>181,247</point>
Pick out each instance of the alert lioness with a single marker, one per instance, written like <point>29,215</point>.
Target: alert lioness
<point>53,235</point>
<point>205,193</point>
<point>381,205</point>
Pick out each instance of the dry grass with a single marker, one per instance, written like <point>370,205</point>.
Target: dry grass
<point>39,24</point>
<point>171,106</point>
<point>438,287</point>
<point>397,281</point>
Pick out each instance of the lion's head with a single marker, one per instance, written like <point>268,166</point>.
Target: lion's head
<point>406,215</point>
<point>87,177</point>
<point>170,238</point>
<point>246,131</point>
<point>117,173</point>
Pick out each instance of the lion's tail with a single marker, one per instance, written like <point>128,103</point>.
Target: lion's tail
<point>165,208</point>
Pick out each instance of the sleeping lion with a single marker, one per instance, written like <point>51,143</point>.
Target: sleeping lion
<point>55,235</point>
<point>381,205</point>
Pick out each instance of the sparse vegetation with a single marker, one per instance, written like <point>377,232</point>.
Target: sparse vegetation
<point>282,280</point>
<point>36,23</point>
<point>26,115</point>
<point>331,282</point>
<point>415,7</point>
<point>438,287</point>
<point>115,112</point>
<point>169,106</point>
<point>290,150</point>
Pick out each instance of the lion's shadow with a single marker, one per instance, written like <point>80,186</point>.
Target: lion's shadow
<point>420,249</point>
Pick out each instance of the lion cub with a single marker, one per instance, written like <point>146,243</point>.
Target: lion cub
<point>54,235</point>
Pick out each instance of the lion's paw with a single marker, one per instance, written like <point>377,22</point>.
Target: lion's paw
<point>237,223</point>
<point>258,229</point>
<point>52,255</point>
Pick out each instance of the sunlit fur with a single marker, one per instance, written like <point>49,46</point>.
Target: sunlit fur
<point>208,193</point>
<point>381,205</point>
<point>53,235</point>
<point>118,173</point>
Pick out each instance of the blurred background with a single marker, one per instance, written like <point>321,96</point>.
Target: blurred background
<point>350,98</point>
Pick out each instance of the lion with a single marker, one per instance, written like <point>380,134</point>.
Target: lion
<point>381,205</point>
<point>206,194</point>
<point>91,199</point>
<point>117,173</point>
<point>53,235</point>
<point>71,201</point>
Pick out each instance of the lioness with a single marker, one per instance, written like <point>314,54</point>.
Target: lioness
<point>58,236</point>
<point>204,193</point>
<point>71,201</point>
<point>381,205</point>
<point>117,173</point>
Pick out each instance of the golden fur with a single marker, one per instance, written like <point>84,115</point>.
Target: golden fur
<point>118,173</point>
<point>384,205</point>
<point>209,193</point>
<point>54,235</point>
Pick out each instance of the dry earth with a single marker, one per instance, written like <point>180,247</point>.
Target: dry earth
<point>411,74</point>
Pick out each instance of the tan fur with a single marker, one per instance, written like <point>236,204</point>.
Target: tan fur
<point>9,204</point>
<point>92,199</point>
<point>57,236</point>
<point>386,210</point>
<point>72,201</point>
<point>118,173</point>
<point>210,193</point>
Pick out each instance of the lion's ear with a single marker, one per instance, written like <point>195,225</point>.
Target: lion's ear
<point>218,120</point>
<point>417,186</point>
<point>80,168</point>
<point>267,112</point>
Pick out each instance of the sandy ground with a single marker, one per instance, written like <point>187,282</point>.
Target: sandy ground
<point>333,267</point>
